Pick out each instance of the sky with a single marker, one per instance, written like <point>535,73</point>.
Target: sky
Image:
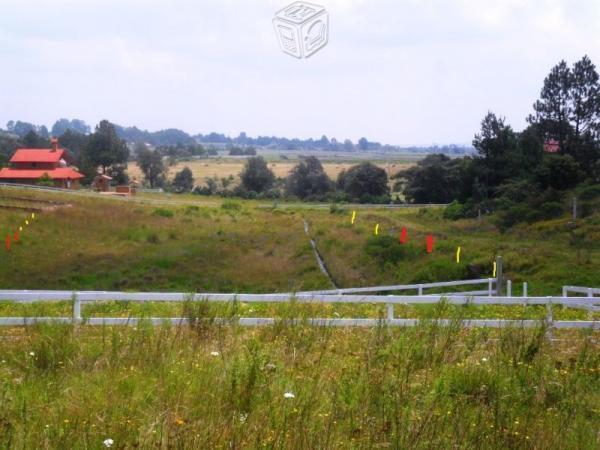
<point>402,72</point>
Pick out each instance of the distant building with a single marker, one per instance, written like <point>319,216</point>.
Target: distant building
<point>29,165</point>
<point>551,146</point>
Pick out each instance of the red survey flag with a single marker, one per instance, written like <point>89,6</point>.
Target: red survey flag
<point>430,244</point>
<point>404,236</point>
<point>8,243</point>
<point>16,236</point>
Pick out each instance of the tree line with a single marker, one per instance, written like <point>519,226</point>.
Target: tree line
<point>523,175</point>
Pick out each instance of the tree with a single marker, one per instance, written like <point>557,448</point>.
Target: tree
<point>308,179</point>
<point>569,111</point>
<point>152,165</point>
<point>256,175</point>
<point>435,179</point>
<point>499,156</point>
<point>61,126</point>
<point>33,140</point>
<point>363,181</point>
<point>363,144</point>
<point>104,147</point>
<point>184,180</point>
<point>74,142</point>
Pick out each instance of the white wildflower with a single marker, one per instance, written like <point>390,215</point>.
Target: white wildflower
<point>289,395</point>
<point>214,353</point>
<point>31,353</point>
<point>108,442</point>
<point>484,359</point>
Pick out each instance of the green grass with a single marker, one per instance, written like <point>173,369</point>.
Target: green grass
<point>216,385</point>
<point>219,386</point>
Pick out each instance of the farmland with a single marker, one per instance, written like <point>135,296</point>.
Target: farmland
<point>223,168</point>
<point>289,385</point>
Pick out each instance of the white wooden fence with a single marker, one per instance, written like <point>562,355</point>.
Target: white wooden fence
<point>80,298</point>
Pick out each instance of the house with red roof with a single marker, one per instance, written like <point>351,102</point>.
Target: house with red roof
<point>552,146</point>
<point>29,165</point>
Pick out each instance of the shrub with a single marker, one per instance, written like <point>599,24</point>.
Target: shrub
<point>512,216</point>
<point>441,270</point>
<point>387,249</point>
<point>551,210</point>
<point>454,211</point>
<point>590,192</point>
<point>231,206</point>
<point>163,212</point>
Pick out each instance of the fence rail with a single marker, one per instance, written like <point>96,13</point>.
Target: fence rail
<point>590,292</point>
<point>80,298</point>
<point>490,282</point>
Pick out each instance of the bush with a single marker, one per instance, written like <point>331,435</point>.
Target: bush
<point>387,249</point>
<point>551,210</point>
<point>441,270</point>
<point>590,192</point>
<point>512,216</point>
<point>231,206</point>
<point>163,212</point>
<point>454,211</point>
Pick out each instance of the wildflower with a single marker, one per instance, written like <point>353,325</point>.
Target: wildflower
<point>108,442</point>
<point>289,395</point>
<point>31,353</point>
<point>243,417</point>
<point>484,359</point>
<point>214,353</point>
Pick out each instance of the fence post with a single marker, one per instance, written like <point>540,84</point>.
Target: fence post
<point>390,311</point>
<point>549,318</point>
<point>525,289</point>
<point>499,276</point>
<point>76,309</point>
<point>565,291</point>
<point>590,292</point>
<point>574,209</point>
<point>509,288</point>
<point>420,290</point>
<point>490,281</point>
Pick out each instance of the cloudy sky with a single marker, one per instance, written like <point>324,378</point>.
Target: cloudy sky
<point>397,71</point>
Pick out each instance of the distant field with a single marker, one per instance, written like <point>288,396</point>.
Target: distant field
<point>223,168</point>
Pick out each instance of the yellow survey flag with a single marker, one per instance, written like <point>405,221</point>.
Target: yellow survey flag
<point>353,217</point>
<point>495,268</point>
<point>27,222</point>
<point>20,228</point>
<point>377,230</point>
<point>458,255</point>
<point>33,215</point>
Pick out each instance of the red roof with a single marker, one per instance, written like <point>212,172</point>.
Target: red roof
<point>552,146</point>
<point>37,155</point>
<point>56,174</point>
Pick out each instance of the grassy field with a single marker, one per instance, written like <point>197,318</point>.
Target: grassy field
<point>289,385</point>
<point>223,168</point>
<point>298,387</point>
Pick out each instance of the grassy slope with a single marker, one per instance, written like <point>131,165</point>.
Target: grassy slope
<point>109,244</point>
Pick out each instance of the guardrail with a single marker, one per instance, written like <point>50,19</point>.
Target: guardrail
<point>81,297</point>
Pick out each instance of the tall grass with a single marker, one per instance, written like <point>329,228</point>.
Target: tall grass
<point>212,384</point>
